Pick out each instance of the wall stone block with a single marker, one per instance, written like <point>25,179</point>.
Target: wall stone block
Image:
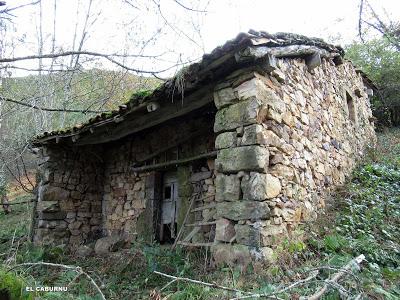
<point>242,210</point>
<point>224,230</point>
<point>226,140</point>
<point>246,158</point>
<point>227,188</point>
<point>259,187</point>
<point>251,111</point>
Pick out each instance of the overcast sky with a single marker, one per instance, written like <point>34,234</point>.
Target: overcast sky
<point>114,25</point>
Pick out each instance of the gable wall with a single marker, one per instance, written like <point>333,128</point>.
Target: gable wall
<point>286,139</point>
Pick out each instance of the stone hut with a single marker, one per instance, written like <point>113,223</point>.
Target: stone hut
<point>233,153</point>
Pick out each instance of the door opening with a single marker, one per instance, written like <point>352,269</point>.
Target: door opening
<point>169,208</point>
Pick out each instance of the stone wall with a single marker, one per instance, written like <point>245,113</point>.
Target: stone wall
<point>88,192</point>
<point>131,199</point>
<point>69,196</point>
<point>285,139</point>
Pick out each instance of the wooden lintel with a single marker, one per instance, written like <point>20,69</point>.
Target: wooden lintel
<point>201,224</point>
<point>173,162</point>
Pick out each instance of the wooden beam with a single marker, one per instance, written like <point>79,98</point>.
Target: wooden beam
<point>135,123</point>
<point>197,133</point>
<point>173,162</point>
<point>90,127</point>
<point>201,224</point>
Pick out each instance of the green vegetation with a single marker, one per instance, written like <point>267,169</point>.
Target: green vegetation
<point>363,218</point>
<point>3,186</point>
<point>14,286</point>
<point>380,60</point>
<point>87,90</point>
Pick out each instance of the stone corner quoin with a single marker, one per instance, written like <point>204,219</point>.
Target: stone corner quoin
<point>283,142</point>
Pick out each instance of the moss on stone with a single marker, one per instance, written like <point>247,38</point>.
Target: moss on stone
<point>144,224</point>
<point>185,190</point>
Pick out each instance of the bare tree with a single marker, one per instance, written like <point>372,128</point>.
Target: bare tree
<point>368,18</point>
<point>67,78</point>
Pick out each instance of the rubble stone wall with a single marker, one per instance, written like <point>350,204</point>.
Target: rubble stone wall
<point>87,192</point>
<point>285,139</point>
<point>69,196</point>
<point>131,199</point>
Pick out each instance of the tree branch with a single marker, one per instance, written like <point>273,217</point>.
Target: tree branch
<point>214,285</point>
<point>109,57</point>
<point>51,109</point>
<point>360,20</point>
<point>188,8</point>
<point>7,10</point>
<point>77,269</point>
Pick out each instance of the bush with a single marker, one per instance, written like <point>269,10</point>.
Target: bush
<point>13,287</point>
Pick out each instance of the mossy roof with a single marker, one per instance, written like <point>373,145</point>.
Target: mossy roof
<point>195,75</point>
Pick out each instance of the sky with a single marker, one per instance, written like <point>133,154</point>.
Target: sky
<point>117,27</point>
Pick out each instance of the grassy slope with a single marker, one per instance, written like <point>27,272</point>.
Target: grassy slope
<point>364,218</point>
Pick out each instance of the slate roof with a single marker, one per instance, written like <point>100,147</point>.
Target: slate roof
<point>197,74</point>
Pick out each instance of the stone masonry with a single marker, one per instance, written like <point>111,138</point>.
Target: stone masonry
<point>69,198</point>
<point>285,139</point>
<point>269,125</point>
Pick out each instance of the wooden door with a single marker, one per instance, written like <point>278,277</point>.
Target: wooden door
<point>169,207</point>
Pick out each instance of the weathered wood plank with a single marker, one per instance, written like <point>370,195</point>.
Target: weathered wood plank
<point>136,123</point>
<point>201,224</point>
<point>174,162</point>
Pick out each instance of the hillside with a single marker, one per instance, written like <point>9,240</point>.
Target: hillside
<point>363,218</point>
<point>93,89</point>
<point>87,92</point>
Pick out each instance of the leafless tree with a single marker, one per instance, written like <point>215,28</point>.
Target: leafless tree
<point>368,18</point>
<point>66,78</point>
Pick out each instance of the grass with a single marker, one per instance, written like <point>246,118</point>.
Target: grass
<point>363,218</point>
